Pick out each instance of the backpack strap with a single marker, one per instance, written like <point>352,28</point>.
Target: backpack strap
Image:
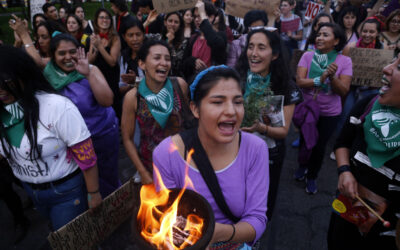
<point>191,140</point>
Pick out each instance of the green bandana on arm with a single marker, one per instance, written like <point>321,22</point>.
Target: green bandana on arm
<point>382,134</point>
<point>58,78</point>
<point>160,104</point>
<point>12,117</point>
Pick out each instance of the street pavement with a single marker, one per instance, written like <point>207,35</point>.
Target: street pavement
<point>300,220</point>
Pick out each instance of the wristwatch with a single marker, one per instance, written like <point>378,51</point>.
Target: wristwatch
<point>343,168</point>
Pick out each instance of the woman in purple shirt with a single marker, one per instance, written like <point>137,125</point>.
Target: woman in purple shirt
<point>238,159</point>
<point>325,76</point>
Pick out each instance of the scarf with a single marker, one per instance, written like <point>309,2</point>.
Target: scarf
<point>160,104</point>
<point>58,78</point>
<point>103,35</point>
<point>119,20</point>
<point>12,117</point>
<point>359,44</point>
<point>382,134</point>
<point>256,84</point>
<point>320,62</point>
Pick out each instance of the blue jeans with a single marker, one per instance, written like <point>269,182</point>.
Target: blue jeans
<point>60,203</point>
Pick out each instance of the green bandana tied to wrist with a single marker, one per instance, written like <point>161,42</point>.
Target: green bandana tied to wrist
<point>320,62</point>
<point>160,104</point>
<point>12,117</point>
<point>382,134</point>
<point>256,84</point>
<point>58,78</point>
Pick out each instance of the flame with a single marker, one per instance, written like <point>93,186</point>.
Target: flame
<point>162,226</point>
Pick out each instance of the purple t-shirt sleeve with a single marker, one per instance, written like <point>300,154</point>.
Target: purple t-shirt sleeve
<point>305,59</point>
<point>162,161</point>
<point>345,64</point>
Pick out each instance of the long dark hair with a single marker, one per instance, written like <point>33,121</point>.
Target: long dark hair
<point>80,31</point>
<point>349,10</point>
<point>313,34</point>
<point>22,78</point>
<point>127,52</point>
<point>338,33</point>
<point>111,31</point>
<point>281,74</point>
<point>179,34</point>
<point>50,26</point>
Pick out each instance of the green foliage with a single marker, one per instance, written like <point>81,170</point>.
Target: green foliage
<point>255,105</point>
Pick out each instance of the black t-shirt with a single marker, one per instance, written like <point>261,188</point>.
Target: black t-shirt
<point>292,94</point>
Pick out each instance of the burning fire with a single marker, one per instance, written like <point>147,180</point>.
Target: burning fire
<point>161,225</point>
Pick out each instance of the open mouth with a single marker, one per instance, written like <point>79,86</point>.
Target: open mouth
<point>254,62</point>
<point>69,64</point>
<point>386,86</point>
<point>162,72</point>
<point>227,127</point>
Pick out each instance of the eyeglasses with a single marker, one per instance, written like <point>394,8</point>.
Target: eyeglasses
<point>270,29</point>
<point>104,17</point>
<point>395,21</point>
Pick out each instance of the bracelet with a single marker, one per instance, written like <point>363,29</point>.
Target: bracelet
<point>317,81</point>
<point>343,168</point>
<point>233,234</point>
<point>94,192</point>
<point>28,45</point>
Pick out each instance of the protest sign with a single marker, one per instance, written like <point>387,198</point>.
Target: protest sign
<point>368,65</point>
<point>313,9</point>
<point>89,229</point>
<point>167,6</point>
<point>292,25</point>
<point>36,7</point>
<point>239,8</point>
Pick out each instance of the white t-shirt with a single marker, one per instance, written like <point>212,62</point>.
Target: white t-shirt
<point>60,126</point>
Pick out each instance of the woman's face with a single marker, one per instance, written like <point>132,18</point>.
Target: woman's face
<point>197,19</point>
<point>157,64</point>
<point>104,21</point>
<point>259,54</point>
<point>38,20</point>
<point>172,23</point>
<point>80,13</point>
<point>394,25</point>
<point>188,18</point>
<point>134,38</point>
<point>285,8</point>
<point>65,56</point>
<point>72,25</point>
<point>323,19</point>
<point>220,112</point>
<point>369,33</point>
<point>5,96</point>
<point>325,40</point>
<point>43,39</point>
<point>349,20</point>
<point>62,13</point>
<point>390,92</point>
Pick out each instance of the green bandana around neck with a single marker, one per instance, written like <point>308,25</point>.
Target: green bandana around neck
<point>58,78</point>
<point>160,104</point>
<point>257,84</point>
<point>12,117</point>
<point>382,134</point>
<point>320,62</point>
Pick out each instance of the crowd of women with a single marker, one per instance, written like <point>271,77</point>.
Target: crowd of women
<point>75,86</point>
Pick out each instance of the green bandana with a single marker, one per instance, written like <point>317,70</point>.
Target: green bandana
<point>382,134</point>
<point>58,78</point>
<point>160,104</point>
<point>320,62</point>
<point>12,116</point>
<point>256,84</point>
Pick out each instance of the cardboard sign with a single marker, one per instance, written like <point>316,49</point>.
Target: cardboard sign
<point>239,8</point>
<point>167,6</point>
<point>36,7</point>
<point>313,9</point>
<point>368,65</point>
<point>292,25</point>
<point>89,230</point>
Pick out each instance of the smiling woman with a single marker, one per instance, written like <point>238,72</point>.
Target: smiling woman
<point>157,104</point>
<point>364,150</point>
